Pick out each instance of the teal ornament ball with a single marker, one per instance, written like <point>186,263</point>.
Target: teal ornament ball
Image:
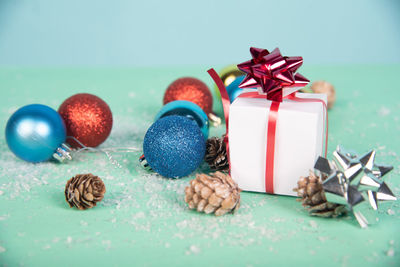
<point>34,132</point>
<point>174,146</point>
<point>233,89</point>
<point>187,109</point>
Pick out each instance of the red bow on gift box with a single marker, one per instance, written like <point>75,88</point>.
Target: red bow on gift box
<point>273,73</point>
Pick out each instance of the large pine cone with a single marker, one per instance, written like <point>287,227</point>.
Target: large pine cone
<point>216,193</point>
<point>84,191</point>
<point>216,154</point>
<point>313,197</point>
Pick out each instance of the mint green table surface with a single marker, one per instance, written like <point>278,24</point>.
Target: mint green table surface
<point>143,219</point>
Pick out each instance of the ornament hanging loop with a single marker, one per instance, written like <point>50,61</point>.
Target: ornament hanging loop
<point>105,151</point>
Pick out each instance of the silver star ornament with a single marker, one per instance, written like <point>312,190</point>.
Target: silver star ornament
<point>352,179</point>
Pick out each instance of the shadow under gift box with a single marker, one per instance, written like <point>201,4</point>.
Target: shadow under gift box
<point>299,141</point>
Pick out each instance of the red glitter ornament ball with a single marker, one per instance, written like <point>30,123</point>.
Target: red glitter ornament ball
<point>87,118</point>
<point>190,89</point>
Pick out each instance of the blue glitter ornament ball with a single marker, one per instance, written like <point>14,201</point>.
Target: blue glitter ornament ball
<point>34,132</point>
<point>174,146</point>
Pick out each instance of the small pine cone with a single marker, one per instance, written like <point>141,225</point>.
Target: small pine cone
<point>325,88</point>
<point>84,191</point>
<point>216,154</point>
<point>216,193</point>
<point>313,197</point>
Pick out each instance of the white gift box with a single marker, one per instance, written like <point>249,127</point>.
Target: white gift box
<point>298,141</point>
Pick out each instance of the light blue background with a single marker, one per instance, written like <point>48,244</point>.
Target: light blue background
<point>149,32</point>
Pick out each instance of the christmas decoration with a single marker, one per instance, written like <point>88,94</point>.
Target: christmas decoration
<point>190,89</point>
<point>216,156</point>
<point>143,162</point>
<point>233,88</point>
<point>187,109</point>
<point>272,72</point>
<point>84,191</point>
<point>264,155</point>
<point>216,193</point>
<point>228,75</point>
<point>174,146</point>
<point>37,133</point>
<point>312,195</point>
<point>353,180</point>
<point>323,87</point>
<point>87,118</point>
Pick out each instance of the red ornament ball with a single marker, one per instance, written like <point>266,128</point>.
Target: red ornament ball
<point>87,118</point>
<point>190,89</point>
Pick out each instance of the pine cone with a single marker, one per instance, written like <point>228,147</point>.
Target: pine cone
<point>84,191</point>
<point>216,193</point>
<point>313,197</point>
<point>325,88</point>
<point>216,154</point>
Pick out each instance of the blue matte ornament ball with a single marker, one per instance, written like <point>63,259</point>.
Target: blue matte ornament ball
<point>174,146</point>
<point>189,110</point>
<point>34,132</point>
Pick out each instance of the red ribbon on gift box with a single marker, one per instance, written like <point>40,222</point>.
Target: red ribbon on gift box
<point>272,67</point>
